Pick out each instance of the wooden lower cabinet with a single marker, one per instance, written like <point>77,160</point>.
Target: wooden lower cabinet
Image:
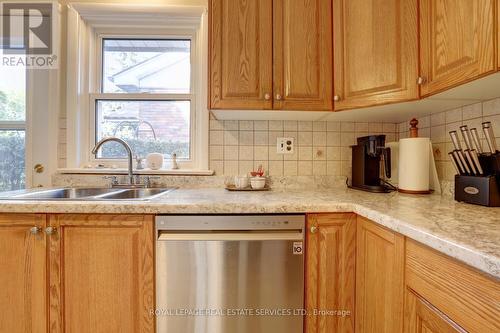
<point>379,278</point>
<point>23,287</point>
<point>101,273</point>
<point>423,317</point>
<point>456,296</point>
<point>330,282</point>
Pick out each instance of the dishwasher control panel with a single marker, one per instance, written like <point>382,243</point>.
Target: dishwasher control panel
<point>230,222</point>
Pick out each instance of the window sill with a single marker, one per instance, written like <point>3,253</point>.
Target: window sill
<point>122,171</point>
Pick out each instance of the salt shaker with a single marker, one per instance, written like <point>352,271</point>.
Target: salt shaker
<point>175,166</point>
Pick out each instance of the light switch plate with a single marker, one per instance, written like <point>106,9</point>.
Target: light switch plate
<point>285,145</point>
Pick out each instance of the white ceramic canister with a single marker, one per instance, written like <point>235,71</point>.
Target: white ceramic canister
<point>154,161</point>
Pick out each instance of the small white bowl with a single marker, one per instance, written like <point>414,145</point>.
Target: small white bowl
<point>258,183</point>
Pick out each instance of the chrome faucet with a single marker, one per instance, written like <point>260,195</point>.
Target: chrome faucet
<point>129,152</point>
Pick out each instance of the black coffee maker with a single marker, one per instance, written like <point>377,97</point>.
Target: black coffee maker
<point>366,157</point>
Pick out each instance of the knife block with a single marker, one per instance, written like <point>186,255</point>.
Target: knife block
<point>478,190</point>
<point>490,163</point>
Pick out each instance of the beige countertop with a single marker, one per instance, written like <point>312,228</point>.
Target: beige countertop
<point>466,232</point>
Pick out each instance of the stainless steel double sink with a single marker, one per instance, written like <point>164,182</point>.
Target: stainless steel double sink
<point>108,194</point>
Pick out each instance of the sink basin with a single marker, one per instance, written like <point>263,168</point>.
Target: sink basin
<point>62,194</point>
<point>136,194</point>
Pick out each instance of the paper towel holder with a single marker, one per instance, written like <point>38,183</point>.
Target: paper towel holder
<point>414,135</point>
<point>413,128</point>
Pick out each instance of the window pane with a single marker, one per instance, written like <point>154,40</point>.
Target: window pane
<point>12,93</point>
<point>146,65</point>
<point>12,176</point>
<point>147,126</point>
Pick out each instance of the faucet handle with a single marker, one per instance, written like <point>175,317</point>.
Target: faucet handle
<point>114,179</point>
<point>147,180</point>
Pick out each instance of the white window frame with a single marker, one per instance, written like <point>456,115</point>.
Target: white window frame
<point>97,94</point>
<point>88,25</point>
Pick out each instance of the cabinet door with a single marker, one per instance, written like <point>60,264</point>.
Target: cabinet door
<point>379,278</point>
<point>101,273</point>
<point>23,273</point>
<point>423,317</point>
<point>330,272</point>
<point>376,52</point>
<point>303,55</point>
<point>468,297</point>
<point>240,54</point>
<point>457,42</point>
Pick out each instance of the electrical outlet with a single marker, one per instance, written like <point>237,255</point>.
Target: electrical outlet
<point>284,145</point>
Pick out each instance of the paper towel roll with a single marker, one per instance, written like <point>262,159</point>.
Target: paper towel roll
<point>414,165</point>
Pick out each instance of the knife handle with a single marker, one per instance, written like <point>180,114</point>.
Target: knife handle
<point>466,136</point>
<point>454,162</point>
<point>455,141</point>
<point>458,161</point>
<point>490,136</point>
<point>475,158</point>
<point>476,140</point>
<point>471,163</point>
<point>464,162</point>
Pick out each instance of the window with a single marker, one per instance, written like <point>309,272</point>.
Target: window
<point>137,72</point>
<point>12,128</point>
<point>144,97</point>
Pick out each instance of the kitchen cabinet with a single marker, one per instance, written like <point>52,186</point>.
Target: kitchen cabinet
<point>270,55</point>
<point>446,295</point>
<point>422,317</point>
<point>101,273</point>
<point>375,52</point>
<point>379,278</point>
<point>23,273</point>
<point>457,42</point>
<point>330,272</point>
<point>302,39</point>
<point>240,54</point>
<point>76,273</point>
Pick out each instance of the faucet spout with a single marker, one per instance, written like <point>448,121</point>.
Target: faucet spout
<point>129,153</point>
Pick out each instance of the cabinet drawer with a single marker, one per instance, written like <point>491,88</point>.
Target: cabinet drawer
<point>469,298</point>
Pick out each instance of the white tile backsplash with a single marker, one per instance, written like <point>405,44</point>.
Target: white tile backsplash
<point>321,148</point>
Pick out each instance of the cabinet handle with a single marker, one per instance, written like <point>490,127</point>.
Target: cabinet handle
<point>336,98</point>
<point>314,229</point>
<point>267,96</point>
<point>279,97</point>
<point>50,230</point>
<point>421,80</point>
<point>34,230</point>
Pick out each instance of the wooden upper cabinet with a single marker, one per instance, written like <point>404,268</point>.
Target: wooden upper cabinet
<point>457,42</point>
<point>240,54</point>
<point>330,271</point>
<point>380,261</point>
<point>302,55</point>
<point>101,273</point>
<point>22,274</point>
<point>375,52</point>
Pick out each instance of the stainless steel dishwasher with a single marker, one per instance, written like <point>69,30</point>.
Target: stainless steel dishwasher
<point>230,274</point>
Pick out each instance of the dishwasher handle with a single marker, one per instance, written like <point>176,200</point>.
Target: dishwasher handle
<point>230,236</point>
